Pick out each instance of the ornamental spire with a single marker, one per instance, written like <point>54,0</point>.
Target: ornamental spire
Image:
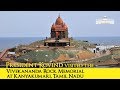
<point>59,15</point>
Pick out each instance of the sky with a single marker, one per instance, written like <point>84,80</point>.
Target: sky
<point>38,23</point>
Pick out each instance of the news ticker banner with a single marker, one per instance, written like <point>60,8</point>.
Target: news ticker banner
<point>59,73</point>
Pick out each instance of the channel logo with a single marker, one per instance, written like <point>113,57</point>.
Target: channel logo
<point>104,20</point>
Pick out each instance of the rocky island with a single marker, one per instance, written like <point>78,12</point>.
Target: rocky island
<point>59,48</point>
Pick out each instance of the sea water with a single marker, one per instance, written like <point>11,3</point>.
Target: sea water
<point>9,42</point>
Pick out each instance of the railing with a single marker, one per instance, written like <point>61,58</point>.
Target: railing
<point>3,53</point>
